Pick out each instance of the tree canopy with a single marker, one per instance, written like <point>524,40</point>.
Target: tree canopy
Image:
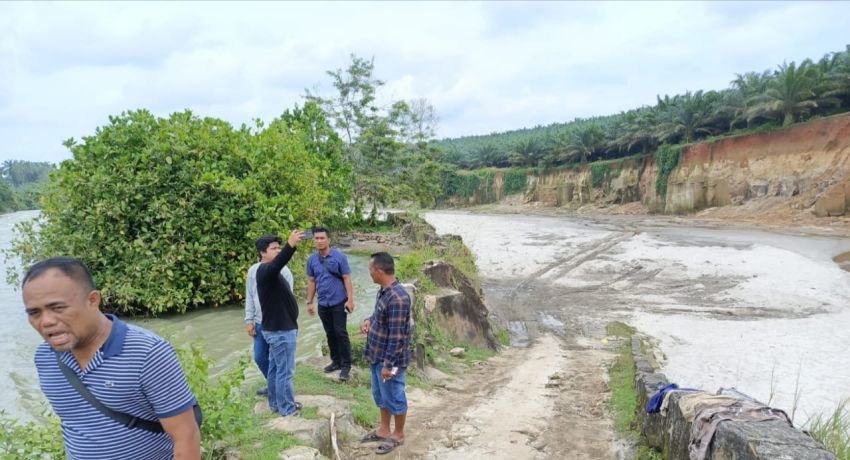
<point>387,148</point>
<point>21,183</point>
<point>165,211</point>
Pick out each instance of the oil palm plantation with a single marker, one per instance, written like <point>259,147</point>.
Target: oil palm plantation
<point>790,93</point>
<point>684,116</point>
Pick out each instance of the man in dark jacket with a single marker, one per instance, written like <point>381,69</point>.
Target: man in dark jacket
<point>280,319</point>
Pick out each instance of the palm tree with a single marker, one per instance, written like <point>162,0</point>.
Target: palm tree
<point>636,128</point>
<point>789,93</point>
<point>686,115</point>
<point>835,78</point>
<point>744,87</point>
<point>584,141</point>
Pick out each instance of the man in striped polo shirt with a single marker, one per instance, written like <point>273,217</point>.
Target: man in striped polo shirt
<point>128,369</point>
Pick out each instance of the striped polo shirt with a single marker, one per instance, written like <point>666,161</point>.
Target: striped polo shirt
<point>135,372</point>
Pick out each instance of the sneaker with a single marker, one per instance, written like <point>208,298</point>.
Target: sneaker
<point>345,374</point>
<point>332,367</point>
<point>263,392</point>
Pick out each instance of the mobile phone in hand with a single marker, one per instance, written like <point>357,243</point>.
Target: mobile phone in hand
<point>308,234</point>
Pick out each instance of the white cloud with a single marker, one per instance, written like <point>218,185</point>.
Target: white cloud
<point>485,66</point>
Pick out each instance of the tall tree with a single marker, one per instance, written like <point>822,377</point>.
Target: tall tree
<point>22,172</point>
<point>584,141</point>
<point>388,149</point>
<point>7,198</point>
<point>789,93</point>
<point>685,116</point>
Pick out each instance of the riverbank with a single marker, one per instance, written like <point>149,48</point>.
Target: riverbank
<point>734,217</point>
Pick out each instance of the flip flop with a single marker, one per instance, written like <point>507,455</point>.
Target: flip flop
<point>372,436</point>
<point>388,445</point>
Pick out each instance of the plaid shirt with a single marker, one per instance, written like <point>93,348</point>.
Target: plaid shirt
<point>389,328</point>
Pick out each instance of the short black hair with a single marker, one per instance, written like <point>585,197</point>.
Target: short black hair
<point>322,230</point>
<point>265,241</point>
<point>72,268</point>
<point>384,262</point>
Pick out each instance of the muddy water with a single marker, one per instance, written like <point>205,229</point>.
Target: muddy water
<point>764,312</point>
<point>221,331</point>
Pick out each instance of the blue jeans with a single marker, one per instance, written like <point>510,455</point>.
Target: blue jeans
<point>261,350</point>
<point>389,395</point>
<point>281,370</point>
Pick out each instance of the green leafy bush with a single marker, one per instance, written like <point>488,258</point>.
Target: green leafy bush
<point>165,211</point>
<point>30,440</point>
<point>227,415</point>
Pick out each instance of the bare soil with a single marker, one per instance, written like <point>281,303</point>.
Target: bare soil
<point>547,397</point>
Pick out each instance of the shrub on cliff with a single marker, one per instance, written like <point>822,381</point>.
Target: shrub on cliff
<point>667,158</point>
<point>165,210</point>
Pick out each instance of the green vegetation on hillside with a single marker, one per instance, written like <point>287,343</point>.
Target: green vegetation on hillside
<point>21,184</point>
<point>754,101</point>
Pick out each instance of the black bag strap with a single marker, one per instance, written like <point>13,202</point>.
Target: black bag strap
<point>335,275</point>
<point>127,420</point>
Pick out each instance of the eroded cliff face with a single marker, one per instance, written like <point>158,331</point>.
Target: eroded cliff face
<point>804,167</point>
<point>807,165</point>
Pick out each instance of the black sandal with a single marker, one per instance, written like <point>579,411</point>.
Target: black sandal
<point>388,445</point>
<point>372,436</point>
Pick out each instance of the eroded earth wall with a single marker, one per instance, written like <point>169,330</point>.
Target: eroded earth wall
<point>803,167</point>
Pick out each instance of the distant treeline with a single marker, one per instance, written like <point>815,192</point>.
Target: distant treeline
<point>755,101</point>
<point>21,183</point>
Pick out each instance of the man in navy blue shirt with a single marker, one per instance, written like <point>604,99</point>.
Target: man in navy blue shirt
<point>125,368</point>
<point>329,276</point>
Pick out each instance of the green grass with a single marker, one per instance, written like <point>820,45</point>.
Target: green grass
<point>619,329</point>
<point>622,378</point>
<point>260,443</point>
<point>312,381</point>
<point>623,394</point>
<point>310,413</point>
<point>834,430</point>
<point>504,337</point>
<point>473,355</point>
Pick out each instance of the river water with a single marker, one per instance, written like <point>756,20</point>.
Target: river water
<point>766,313</point>
<point>221,330</point>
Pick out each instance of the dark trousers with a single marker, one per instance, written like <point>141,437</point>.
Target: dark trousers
<point>333,319</point>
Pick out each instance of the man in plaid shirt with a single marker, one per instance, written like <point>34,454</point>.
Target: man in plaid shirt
<point>388,351</point>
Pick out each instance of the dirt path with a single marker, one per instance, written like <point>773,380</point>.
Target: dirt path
<point>544,401</point>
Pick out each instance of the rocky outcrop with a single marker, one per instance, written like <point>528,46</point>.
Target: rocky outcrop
<point>458,307</point>
<point>670,433</point>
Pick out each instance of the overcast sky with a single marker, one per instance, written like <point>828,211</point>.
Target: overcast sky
<point>65,67</point>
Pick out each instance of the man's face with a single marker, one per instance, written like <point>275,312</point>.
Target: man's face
<point>270,252</point>
<point>321,241</point>
<point>374,272</point>
<point>64,312</point>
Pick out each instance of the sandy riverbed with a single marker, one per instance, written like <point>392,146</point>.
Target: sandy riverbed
<point>765,312</point>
